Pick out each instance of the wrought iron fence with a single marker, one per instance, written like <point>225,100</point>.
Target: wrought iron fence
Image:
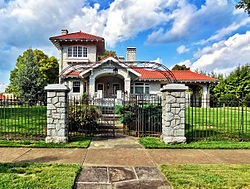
<point>220,120</point>
<point>142,115</point>
<point>22,119</point>
<point>138,115</point>
<point>91,117</point>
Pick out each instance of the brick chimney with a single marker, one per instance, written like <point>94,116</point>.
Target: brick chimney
<point>64,31</point>
<point>131,54</point>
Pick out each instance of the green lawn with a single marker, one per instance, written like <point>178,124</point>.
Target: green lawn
<point>36,175</point>
<point>208,176</point>
<point>76,142</point>
<point>155,143</point>
<point>218,123</point>
<point>19,121</point>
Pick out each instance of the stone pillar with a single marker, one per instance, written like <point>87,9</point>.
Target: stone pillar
<point>205,97</point>
<point>57,113</point>
<point>173,113</point>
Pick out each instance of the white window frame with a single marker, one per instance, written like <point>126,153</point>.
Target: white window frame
<point>143,86</point>
<point>77,51</point>
<point>74,86</point>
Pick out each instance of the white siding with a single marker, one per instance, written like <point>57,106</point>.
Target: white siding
<point>154,87</point>
<point>91,56</point>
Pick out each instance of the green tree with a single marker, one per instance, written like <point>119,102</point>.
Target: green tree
<point>33,71</point>
<point>107,53</point>
<point>180,67</point>
<point>236,86</point>
<point>244,4</point>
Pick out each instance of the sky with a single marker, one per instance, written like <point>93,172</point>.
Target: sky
<point>207,35</point>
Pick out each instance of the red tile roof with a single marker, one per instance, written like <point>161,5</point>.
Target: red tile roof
<point>180,75</point>
<point>2,97</point>
<point>72,74</point>
<point>76,35</point>
<point>187,75</point>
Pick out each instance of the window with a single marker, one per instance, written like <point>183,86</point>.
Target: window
<point>140,88</point>
<point>77,51</point>
<point>76,87</point>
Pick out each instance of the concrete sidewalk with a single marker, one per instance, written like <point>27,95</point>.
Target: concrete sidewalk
<point>117,164</point>
<point>124,156</point>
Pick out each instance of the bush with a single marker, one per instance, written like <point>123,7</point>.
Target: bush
<point>83,116</point>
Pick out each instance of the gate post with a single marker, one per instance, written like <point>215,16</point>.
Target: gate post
<point>173,113</point>
<point>57,113</point>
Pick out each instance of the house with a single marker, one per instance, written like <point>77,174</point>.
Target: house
<point>82,71</point>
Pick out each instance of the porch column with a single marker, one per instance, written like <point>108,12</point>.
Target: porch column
<point>196,97</point>
<point>205,96</point>
<point>91,86</point>
<point>173,113</point>
<point>127,83</point>
<point>57,113</point>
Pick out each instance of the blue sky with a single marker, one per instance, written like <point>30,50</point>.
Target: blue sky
<point>208,35</point>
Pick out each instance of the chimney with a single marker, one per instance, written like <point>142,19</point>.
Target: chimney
<point>131,54</point>
<point>64,31</point>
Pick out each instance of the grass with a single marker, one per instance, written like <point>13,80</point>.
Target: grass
<point>37,175</point>
<point>23,120</point>
<point>218,123</point>
<point>156,143</point>
<point>208,176</point>
<point>76,142</point>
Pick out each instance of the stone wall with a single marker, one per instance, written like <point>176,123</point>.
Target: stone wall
<point>57,116</point>
<point>173,113</point>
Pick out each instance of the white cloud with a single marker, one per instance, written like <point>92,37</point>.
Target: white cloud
<point>181,17</point>
<point>226,31</point>
<point>28,24</point>
<point>224,56</point>
<point>3,86</point>
<point>123,19</point>
<point>157,60</point>
<point>182,49</point>
<point>188,21</point>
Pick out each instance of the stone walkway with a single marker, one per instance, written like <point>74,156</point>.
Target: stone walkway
<point>121,177</point>
<point>118,177</point>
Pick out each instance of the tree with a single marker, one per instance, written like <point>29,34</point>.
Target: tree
<point>236,86</point>
<point>180,67</point>
<point>244,4</point>
<point>33,71</point>
<point>108,53</point>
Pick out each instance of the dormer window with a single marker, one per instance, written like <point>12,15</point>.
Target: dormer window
<point>77,51</point>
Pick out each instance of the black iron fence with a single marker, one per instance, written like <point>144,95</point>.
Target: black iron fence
<point>91,117</point>
<point>22,119</point>
<point>142,115</point>
<point>136,115</point>
<point>220,120</point>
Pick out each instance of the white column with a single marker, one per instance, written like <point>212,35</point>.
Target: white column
<point>61,65</point>
<point>205,96</point>
<point>127,83</point>
<point>91,86</point>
